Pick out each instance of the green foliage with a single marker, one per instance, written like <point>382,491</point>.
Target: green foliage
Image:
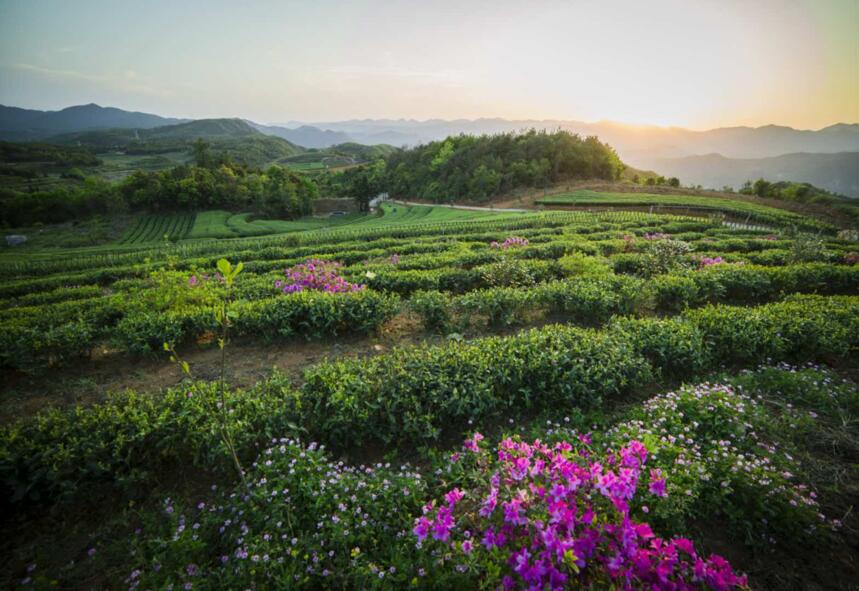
<point>806,248</point>
<point>801,327</point>
<point>476,168</point>
<point>411,396</point>
<point>127,442</point>
<point>434,308</point>
<point>666,255</point>
<point>733,207</point>
<point>414,395</point>
<point>57,155</point>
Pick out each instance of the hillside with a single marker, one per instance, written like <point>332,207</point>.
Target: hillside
<point>28,124</point>
<point>233,137</point>
<point>305,135</point>
<point>837,173</point>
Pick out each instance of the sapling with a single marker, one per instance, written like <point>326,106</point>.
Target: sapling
<point>224,316</point>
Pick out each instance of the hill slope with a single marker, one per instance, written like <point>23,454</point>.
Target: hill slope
<point>234,137</point>
<point>304,135</point>
<point>28,124</point>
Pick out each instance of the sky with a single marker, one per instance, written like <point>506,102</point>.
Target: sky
<point>690,63</point>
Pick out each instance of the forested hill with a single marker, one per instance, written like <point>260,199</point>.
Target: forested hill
<point>231,137</point>
<point>478,167</point>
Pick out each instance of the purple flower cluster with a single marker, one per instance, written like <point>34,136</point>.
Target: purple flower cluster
<point>559,515</point>
<point>316,275</point>
<point>511,242</point>
<point>710,261</point>
<point>195,281</point>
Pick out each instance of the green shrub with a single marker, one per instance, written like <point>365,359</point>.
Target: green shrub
<point>501,305</point>
<point>315,314</point>
<point>799,328</point>
<point>411,396</point>
<point>675,348</point>
<point>130,440</point>
<point>434,308</point>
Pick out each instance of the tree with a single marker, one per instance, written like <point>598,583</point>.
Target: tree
<point>673,182</point>
<point>761,187</point>
<point>202,155</point>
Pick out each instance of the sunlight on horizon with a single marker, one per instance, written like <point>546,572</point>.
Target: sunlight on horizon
<point>670,63</point>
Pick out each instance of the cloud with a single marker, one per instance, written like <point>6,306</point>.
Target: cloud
<point>127,81</point>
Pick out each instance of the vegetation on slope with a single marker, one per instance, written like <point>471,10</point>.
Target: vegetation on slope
<point>476,168</point>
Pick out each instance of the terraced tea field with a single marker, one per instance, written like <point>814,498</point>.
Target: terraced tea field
<point>736,209</point>
<point>451,389</point>
<point>159,227</point>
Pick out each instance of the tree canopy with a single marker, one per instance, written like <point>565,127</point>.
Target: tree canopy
<point>479,167</point>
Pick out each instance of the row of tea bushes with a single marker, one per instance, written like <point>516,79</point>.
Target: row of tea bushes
<point>57,335</point>
<point>410,397</point>
<point>415,394</point>
<point>594,299</point>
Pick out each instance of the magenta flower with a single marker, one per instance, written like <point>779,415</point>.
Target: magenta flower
<point>315,275</point>
<point>560,507</point>
<point>511,242</point>
<point>657,483</point>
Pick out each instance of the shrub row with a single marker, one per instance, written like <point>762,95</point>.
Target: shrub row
<point>64,332</point>
<point>411,395</point>
<point>594,299</point>
<point>131,439</point>
<point>309,314</point>
<point>751,284</point>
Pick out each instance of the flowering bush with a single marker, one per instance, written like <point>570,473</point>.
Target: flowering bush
<point>541,516</point>
<point>715,445</point>
<point>306,522</point>
<point>511,242</point>
<point>710,261</point>
<point>664,254</point>
<point>316,275</point>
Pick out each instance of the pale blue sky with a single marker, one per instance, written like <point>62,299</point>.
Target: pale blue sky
<point>669,62</point>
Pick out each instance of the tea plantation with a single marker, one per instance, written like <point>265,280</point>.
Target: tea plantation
<point>573,399</point>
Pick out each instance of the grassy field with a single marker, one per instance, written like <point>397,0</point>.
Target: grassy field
<point>736,209</point>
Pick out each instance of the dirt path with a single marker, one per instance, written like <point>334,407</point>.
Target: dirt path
<point>467,207</point>
<point>248,362</point>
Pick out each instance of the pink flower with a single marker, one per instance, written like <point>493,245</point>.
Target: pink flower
<point>657,483</point>
<point>453,497</point>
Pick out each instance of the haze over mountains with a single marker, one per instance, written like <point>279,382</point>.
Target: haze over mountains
<point>827,157</point>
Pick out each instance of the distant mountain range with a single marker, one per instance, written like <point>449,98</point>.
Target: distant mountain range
<point>713,158</point>
<point>630,141</point>
<point>305,135</point>
<point>29,124</point>
<point>837,173</point>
